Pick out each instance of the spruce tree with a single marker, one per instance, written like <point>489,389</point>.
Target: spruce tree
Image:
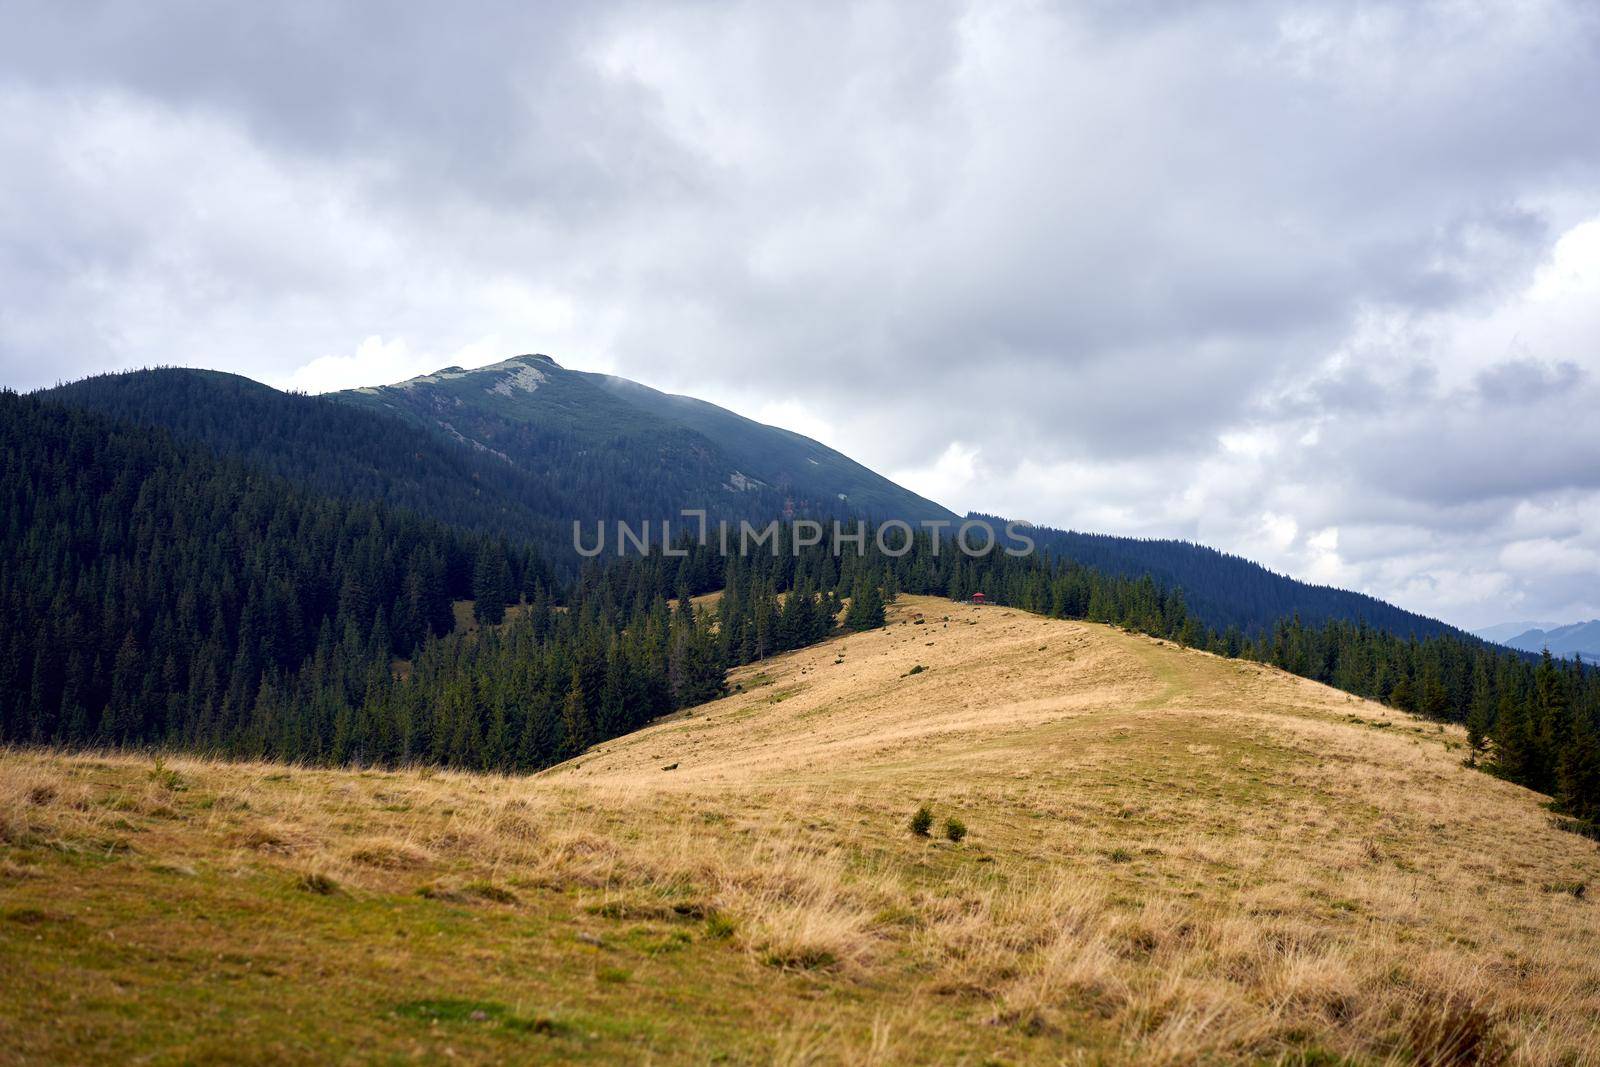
<point>574,719</point>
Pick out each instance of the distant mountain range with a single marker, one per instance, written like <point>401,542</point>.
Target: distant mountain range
<point>1501,632</point>
<point>525,446</point>
<point>1226,590</point>
<point>1574,639</point>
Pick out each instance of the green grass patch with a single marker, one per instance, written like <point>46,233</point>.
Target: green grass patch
<point>719,927</point>
<point>655,942</point>
<point>461,1012</point>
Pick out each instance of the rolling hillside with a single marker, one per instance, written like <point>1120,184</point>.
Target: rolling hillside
<point>1169,858</point>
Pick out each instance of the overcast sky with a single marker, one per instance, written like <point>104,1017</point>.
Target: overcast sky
<point>1314,283</point>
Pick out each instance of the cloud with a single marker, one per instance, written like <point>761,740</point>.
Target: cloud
<point>1528,380</point>
<point>950,476</point>
<point>1311,281</point>
<point>1550,557</point>
<point>378,361</point>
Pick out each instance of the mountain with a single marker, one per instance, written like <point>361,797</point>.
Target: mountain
<point>1224,590</point>
<point>529,409</point>
<point>641,453</point>
<point>333,448</point>
<point>1501,632</point>
<point>520,449</point>
<point>524,447</point>
<point>1576,639</point>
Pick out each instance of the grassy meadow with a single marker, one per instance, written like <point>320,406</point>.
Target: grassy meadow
<point>1168,858</point>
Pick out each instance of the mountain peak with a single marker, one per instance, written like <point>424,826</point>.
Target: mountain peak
<point>1572,639</point>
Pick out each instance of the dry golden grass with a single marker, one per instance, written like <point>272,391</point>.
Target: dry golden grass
<point>1172,858</point>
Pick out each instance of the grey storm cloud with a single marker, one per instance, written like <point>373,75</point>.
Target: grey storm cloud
<point>1257,273</point>
<point>1528,380</point>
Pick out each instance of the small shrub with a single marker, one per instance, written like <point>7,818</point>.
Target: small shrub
<point>490,891</point>
<point>612,976</point>
<point>719,927</point>
<point>922,821</point>
<point>318,883</point>
<point>1029,1021</point>
<point>1573,889</point>
<point>261,839</point>
<point>166,777</point>
<point>651,910</point>
<point>800,958</point>
<point>918,669</point>
<point>442,893</point>
<point>389,856</point>
<point>1120,855</point>
<point>955,829</point>
<point>29,916</point>
<point>1453,1031</point>
<point>539,1024</point>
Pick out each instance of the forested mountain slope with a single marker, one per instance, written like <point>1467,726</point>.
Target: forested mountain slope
<point>826,480</point>
<point>155,594</point>
<point>336,449</point>
<point>524,447</point>
<point>637,453</point>
<point>1225,590</point>
<point>151,591</point>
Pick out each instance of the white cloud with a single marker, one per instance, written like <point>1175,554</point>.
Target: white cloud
<point>949,479</point>
<point>1551,557</point>
<point>1573,269</point>
<point>797,416</point>
<point>378,362</point>
<point>1310,282</point>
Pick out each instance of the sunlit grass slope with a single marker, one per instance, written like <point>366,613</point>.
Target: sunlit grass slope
<point>1170,858</point>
